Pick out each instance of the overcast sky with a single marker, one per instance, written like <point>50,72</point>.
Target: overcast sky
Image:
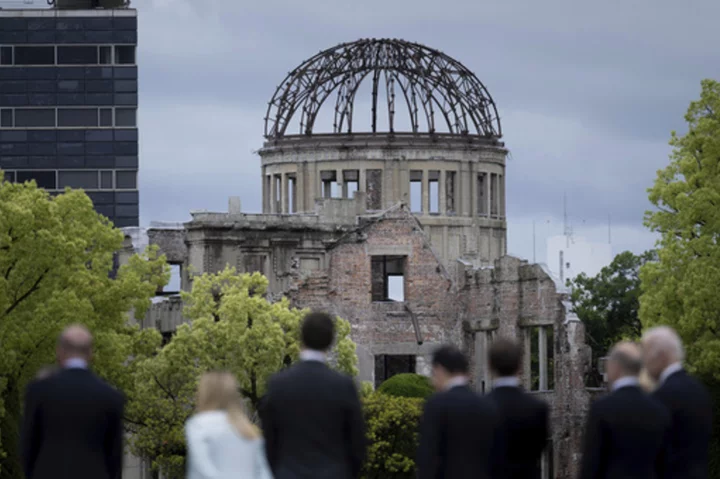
<point>588,94</point>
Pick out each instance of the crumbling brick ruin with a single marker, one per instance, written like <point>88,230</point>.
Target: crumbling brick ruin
<point>401,233</point>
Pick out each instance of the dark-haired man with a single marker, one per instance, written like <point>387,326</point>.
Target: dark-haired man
<point>524,418</point>
<point>311,415</point>
<point>459,429</point>
<point>72,427</point>
<point>627,430</point>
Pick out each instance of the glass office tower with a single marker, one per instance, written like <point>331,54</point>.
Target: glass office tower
<point>68,104</point>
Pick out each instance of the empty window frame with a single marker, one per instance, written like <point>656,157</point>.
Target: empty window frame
<point>328,180</point>
<point>388,278</point>
<point>494,195</point>
<point>434,192</point>
<point>416,191</point>
<point>44,55</point>
<point>483,341</point>
<point>389,365</point>
<point>292,193</point>
<point>44,179</point>
<point>373,189</point>
<point>77,117</point>
<point>34,117</point>
<point>351,183</point>
<point>126,180</point>
<point>540,362</point>
<point>450,193</point>
<point>277,198</point>
<point>173,286</point>
<point>125,54</point>
<point>482,194</point>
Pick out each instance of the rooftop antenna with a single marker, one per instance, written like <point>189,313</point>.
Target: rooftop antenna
<point>567,229</point>
<point>534,242</point>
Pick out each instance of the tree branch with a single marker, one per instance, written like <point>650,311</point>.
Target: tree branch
<point>164,389</point>
<point>27,294</point>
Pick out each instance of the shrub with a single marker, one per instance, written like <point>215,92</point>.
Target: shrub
<point>407,385</point>
<point>392,430</point>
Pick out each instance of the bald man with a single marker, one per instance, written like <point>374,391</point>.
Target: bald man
<point>687,400</point>
<point>72,428</point>
<point>627,429</point>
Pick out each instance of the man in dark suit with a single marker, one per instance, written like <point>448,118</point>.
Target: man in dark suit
<point>687,400</point>
<point>524,418</point>
<point>627,430</point>
<point>72,428</point>
<point>459,429</point>
<point>311,415</point>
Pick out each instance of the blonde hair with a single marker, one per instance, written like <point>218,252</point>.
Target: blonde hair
<point>218,390</point>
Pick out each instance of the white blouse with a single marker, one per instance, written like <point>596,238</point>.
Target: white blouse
<point>215,450</point>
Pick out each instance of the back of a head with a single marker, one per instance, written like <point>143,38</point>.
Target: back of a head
<point>74,342</point>
<point>663,340</point>
<point>318,331</point>
<point>505,357</point>
<point>219,391</point>
<point>451,359</point>
<point>627,357</point>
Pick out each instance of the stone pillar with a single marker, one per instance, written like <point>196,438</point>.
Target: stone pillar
<point>273,194</point>
<point>442,203</point>
<point>284,198</point>
<point>542,357</point>
<point>425,192</point>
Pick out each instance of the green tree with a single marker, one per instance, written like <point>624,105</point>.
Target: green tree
<point>56,259</point>
<point>608,304</point>
<point>681,288</point>
<point>233,327</point>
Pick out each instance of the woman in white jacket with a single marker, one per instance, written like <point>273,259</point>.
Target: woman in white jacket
<point>222,443</point>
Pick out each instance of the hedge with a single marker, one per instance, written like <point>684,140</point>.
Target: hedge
<point>407,385</point>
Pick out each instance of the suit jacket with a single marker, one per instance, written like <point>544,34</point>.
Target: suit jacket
<point>313,424</point>
<point>72,428</point>
<point>690,409</point>
<point>625,438</point>
<point>459,436</point>
<point>526,431</point>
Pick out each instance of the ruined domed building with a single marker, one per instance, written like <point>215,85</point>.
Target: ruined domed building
<point>393,217</point>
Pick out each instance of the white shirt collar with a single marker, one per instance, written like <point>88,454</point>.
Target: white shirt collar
<point>506,381</point>
<point>670,370</point>
<point>456,382</point>
<point>312,355</point>
<point>75,363</point>
<point>625,381</point>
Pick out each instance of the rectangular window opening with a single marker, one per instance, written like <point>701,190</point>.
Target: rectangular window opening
<point>389,365</point>
<point>292,194</point>
<point>450,193</point>
<point>542,363</point>
<point>106,117</point>
<point>351,183</point>
<point>105,55</point>
<point>77,55</point>
<point>77,117</point>
<point>87,180</point>
<point>482,201</point>
<point>34,55</point>
<point>6,118</point>
<point>328,178</point>
<point>277,200</point>
<point>416,192</point>
<point>126,180</point>
<point>6,55</point>
<point>434,191</point>
<point>35,117</point>
<point>125,116</point>
<point>494,196</point>
<point>125,54</point>
<point>44,179</point>
<point>106,180</point>
<point>173,286</point>
<point>388,278</point>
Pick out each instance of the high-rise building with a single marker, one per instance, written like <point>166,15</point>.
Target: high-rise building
<point>68,102</point>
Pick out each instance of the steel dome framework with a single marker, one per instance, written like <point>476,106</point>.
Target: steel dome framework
<point>431,83</point>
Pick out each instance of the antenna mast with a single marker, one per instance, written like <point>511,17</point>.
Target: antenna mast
<point>567,229</point>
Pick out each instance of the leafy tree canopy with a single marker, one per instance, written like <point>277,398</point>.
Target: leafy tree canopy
<point>681,288</point>
<point>56,260</point>
<point>233,327</point>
